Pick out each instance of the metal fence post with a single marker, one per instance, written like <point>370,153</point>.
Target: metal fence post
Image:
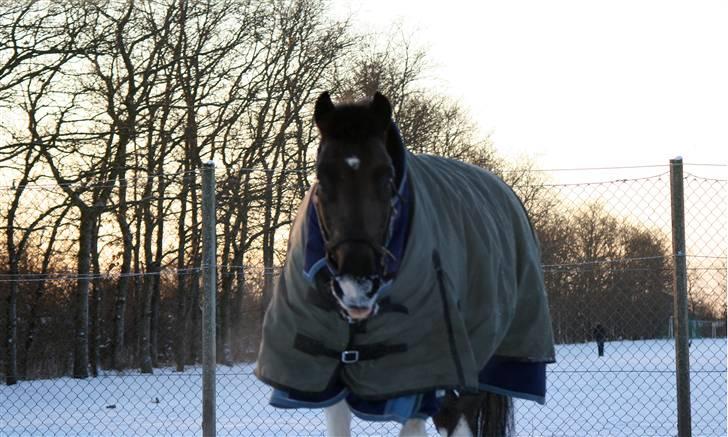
<point>680,305</point>
<point>209,265</point>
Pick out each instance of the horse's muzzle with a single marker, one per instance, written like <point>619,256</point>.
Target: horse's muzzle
<point>355,296</point>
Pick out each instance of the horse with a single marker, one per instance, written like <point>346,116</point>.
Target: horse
<point>412,288</point>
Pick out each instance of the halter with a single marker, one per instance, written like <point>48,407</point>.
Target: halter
<point>378,248</point>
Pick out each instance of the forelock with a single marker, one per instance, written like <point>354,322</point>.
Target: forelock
<point>351,121</point>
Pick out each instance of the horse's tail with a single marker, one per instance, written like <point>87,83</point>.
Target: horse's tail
<point>486,414</point>
<point>494,417</point>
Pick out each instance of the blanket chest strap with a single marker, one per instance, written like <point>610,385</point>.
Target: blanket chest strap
<point>358,353</point>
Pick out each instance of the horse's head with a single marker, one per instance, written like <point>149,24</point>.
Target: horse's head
<point>354,197</point>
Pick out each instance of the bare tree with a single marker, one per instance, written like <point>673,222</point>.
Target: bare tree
<point>429,123</point>
<point>298,46</point>
<point>36,37</point>
<point>99,139</point>
<point>15,252</point>
<point>39,288</point>
<point>122,113</point>
<point>35,41</point>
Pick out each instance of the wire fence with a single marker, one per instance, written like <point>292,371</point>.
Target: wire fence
<point>608,264</point>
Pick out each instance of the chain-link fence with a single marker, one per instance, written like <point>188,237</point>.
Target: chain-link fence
<point>619,277</point>
<point>608,263</point>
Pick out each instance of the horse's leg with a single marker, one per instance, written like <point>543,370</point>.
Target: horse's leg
<point>461,429</point>
<point>484,414</point>
<point>413,428</point>
<point>338,420</point>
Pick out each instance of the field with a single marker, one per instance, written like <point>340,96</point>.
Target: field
<point>629,392</point>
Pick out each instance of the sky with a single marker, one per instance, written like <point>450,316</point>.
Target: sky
<point>576,83</point>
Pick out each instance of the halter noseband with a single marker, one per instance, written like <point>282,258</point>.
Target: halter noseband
<point>380,249</point>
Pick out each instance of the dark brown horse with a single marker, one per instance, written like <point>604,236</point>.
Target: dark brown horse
<point>356,189</point>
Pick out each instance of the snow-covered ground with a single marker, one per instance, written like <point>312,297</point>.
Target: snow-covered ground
<point>629,392</point>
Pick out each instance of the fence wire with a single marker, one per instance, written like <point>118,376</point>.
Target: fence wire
<point>607,261</point>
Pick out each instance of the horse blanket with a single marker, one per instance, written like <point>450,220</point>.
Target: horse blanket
<point>465,306</point>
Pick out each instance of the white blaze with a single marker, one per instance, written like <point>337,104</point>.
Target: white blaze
<point>353,162</point>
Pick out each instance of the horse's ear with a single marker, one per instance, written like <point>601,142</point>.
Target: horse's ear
<point>382,110</point>
<point>324,106</point>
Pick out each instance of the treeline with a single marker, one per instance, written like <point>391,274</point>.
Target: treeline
<point>109,110</point>
<point>601,270</point>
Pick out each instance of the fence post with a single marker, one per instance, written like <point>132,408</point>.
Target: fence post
<point>209,266</point>
<point>680,305</point>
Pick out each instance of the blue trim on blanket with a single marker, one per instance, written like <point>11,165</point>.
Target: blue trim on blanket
<point>513,377</point>
<point>287,400</point>
<point>502,375</point>
<point>399,409</point>
<point>513,394</point>
<point>315,250</point>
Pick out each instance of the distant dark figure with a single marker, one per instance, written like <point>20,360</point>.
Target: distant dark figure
<point>600,333</point>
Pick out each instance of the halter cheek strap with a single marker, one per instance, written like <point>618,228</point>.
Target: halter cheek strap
<point>379,249</point>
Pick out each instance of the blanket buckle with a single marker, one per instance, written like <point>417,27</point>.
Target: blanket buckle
<point>349,357</point>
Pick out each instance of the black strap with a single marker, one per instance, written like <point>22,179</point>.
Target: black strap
<point>437,264</point>
<point>362,352</point>
<point>358,327</point>
<point>387,306</point>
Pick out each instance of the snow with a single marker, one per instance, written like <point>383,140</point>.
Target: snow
<point>629,392</point>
